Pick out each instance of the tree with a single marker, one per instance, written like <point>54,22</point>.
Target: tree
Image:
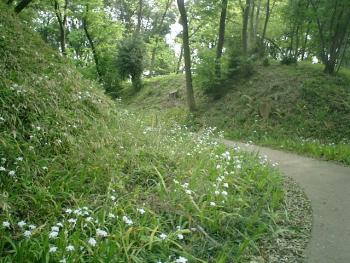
<point>21,5</point>
<point>157,31</point>
<point>91,42</point>
<point>267,18</point>
<point>246,11</point>
<point>130,60</point>
<point>139,17</point>
<point>62,22</point>
<point>221,38</point>
<point>332,30</point>
<point>187,55</point>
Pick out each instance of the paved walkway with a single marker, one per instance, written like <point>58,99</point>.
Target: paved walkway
<point>328,187</point>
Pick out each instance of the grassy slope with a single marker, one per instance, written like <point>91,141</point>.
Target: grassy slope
<point>310,111</point>
<point>74,164</point>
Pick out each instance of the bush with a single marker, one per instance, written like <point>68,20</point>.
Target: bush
<point>240,67</point>
<point>130,60</point>
<point>205,77</point>
<point>266,62</point>
<point>288,60</point>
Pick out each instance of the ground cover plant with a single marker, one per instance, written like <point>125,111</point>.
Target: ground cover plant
<point>85,180</point>
<point>306,111</point>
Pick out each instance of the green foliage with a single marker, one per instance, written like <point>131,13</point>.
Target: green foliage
<point>84,180</point>
<point>288,60</point>
<point>266,62</point>
<point>309,110</point>
<point>205,77</point>
<point>130,60</point>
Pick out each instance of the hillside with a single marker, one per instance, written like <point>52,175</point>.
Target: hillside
<point>293,107</point>
<point>85,180</point>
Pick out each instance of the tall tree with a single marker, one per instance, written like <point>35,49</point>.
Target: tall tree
<point>187,55</point>
<point>21,5</point>
<point>333,23</point>
<point>157,29</point>
<point>62,22</point>
<point>221,38</point>
<point>267,18</point>
<point>246,11</point>
<point>139,16</point>
<point>91,42</point>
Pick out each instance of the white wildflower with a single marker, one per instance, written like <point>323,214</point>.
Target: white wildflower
<point>113,198</point>
<point>92,241</point>
<point>32,227</point>
<point>19,159</point>
<point>55,229</point>
<point>224,193</point>
<point>53,234</point>
<point>101,233</point>
<point>21,224</point>
<point>180,236</point>
<point>189,192</point>
<point>216,192</point>
<point>70,248</point>
<point>127,220</point>
<point>89,219</point>
<point>63,260</point>
<point>12,173</point>
<point>27,233</point>
<point>181,260</point>
<point>72,220</point>
<point>69,211</point>
<point>212,204</point>
<point>185,185</point>
<point>226,185</point>
<point>6,224</point>
<point>141,211</point>
<point>2,169</point>
<point>78,212</point>
<point>52,249</point>
<point>111,215</point>
<point>163,236</point>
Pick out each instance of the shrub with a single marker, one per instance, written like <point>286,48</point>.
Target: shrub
<point>205,77</point>
<point>288,60</point>
<point>130,60</point>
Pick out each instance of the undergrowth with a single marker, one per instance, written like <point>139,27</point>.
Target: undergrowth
<point>84,180</point>
<point>305,110</point>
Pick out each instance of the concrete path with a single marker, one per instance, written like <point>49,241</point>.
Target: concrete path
<point>328,187</point>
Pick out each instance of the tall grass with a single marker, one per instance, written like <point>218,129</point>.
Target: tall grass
<point>84,180</point>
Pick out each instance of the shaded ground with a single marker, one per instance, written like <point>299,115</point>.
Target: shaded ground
<point>327,185</point>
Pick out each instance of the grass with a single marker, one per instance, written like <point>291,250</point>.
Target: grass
<point>308,112</point>
<point>85,180</point>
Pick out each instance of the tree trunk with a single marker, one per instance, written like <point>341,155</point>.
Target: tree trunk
<point>221,38</point>
<point>153,58</point>
<point>257,22</point>
<point>139,17</point>
<point>180,60</point>
<point>21,5</point>
<point>267,17</point>
<point>251,43</point>
<point>187,56</point>
<point>62,21</point>
<point>303,49</point>
<point>157,29</point>
<point>245,27</point>
<point>92,45</point>
<point>344,51</point>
